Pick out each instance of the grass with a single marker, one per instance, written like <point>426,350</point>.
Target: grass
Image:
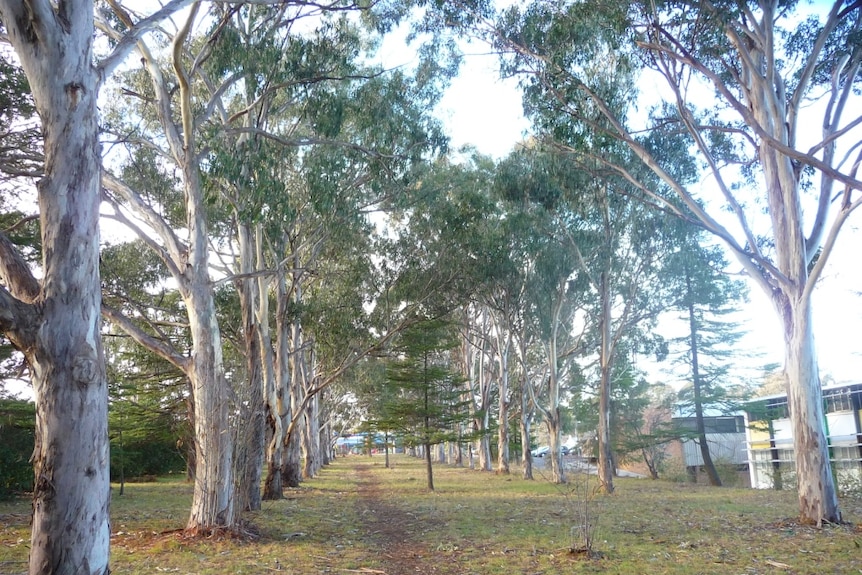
<point>358,517</point>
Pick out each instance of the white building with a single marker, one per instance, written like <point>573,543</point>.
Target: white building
<point>770,438</point>
<point>725,436</point>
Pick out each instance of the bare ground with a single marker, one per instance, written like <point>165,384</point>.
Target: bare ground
<point>401,536</point>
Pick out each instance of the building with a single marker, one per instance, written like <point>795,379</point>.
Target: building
<point>725,436</point>
<point>770,438</point>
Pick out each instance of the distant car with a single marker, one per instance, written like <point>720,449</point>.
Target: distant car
<point>540,451</point>
<point>564,450</point>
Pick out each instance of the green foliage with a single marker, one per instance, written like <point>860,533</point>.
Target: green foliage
<point>422,395</point>
<point>147,423</point>
<point>17,436</point>
<point>20,156</point>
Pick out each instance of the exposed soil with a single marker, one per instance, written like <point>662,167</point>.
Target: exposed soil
<point>401,536</point>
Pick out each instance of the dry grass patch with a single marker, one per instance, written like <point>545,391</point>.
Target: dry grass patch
<point>359,517</point>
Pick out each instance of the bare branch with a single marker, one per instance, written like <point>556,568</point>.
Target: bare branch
<point>176,251</point>
<point>131,38</point>
<point>19,321</point>
<point>161,348</point>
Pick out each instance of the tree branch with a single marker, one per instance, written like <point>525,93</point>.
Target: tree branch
<point>16,274</point>
<point>161,348</point>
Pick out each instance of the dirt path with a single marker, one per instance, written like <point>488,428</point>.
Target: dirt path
<point>402,537</point>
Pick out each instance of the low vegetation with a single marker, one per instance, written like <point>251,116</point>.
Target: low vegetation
<point>359,517</point>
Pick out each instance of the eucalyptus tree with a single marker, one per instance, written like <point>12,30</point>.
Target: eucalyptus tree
<point>605,259</point>
<point>552,298</point>
<point>180,236</point>
<point>739,82</point>
<point>55,321</point>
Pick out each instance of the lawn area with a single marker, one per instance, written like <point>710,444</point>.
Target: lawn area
<point>359,517</point>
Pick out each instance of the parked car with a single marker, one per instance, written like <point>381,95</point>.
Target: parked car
<point>564,450</point>
<point>540,451</point>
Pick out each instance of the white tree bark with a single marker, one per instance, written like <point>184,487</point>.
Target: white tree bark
<point>57,324</point>
<point>213,504</point>
<point>503,349</point>
<point>251,432</point>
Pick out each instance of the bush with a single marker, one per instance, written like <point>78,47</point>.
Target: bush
<point>17,437</point>
<point>144,458</point>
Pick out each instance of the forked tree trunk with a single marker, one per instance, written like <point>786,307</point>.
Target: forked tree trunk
<point>61,336</point>
<point>280,398</point>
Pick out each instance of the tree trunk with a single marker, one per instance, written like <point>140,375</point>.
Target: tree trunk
<point>279,399</point>
<point>708,464</point>
<point>70,526</point>
<point>299,379</point>
<point>311,439</point>
<point>213,505</point>
<point>484,442</point>
<point>558,474</point>
<point>552,413</point>
<point>324,432</point>
<point>213,500</point>
<point>251,432</point>
<point>818,500</point>
<point>526,415</point>
<point>503,411</point>
<point>386,448</point>
<point>605,470</point>
<point>526,455</point>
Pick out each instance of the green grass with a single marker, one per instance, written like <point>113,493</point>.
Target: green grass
<point>358,517</point>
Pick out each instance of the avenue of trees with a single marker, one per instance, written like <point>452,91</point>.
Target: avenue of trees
<point>301,254</point>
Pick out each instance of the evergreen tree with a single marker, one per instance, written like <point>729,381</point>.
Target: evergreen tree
<point>422,392</point>
<point>706,296</point>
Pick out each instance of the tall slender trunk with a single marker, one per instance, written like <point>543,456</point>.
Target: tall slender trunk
<point>708,464</point>
<point>311,439</point>
<point>293,460</point>
<point>251,430</point>
<point>279,398</point>
<point>526,408</point>
<point>503,408</point>
<point>325,431</point>
<point>605,464</point>
<point>429,469</point>
<point>213,504</point>
<point>552,413</point>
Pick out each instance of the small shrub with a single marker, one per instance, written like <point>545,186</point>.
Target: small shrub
<point>849,482</point>
<point>675,472</point>
<point>728,472</point>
